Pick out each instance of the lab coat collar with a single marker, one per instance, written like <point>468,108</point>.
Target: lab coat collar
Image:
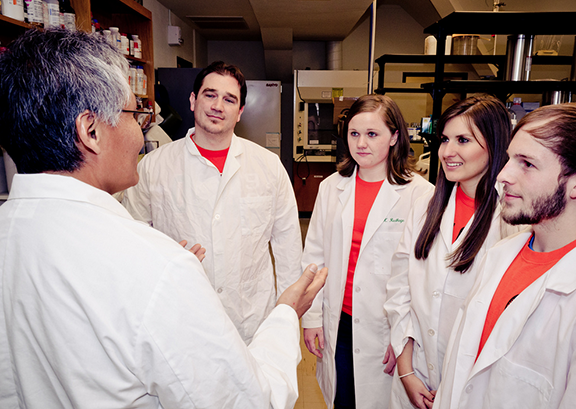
<point>49,186</point>
<point>387,197</point>
<point>232,160</point>
<point>559,279</point>
<point>236,148</point>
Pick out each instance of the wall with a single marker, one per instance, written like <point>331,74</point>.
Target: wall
<point>396,33</point>
<point>248,55</point>
<point>164,54</point>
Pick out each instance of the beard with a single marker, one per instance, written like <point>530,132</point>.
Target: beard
<point>542,208</point>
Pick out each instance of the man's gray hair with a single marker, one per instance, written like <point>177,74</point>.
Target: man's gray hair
<point>47,79</point>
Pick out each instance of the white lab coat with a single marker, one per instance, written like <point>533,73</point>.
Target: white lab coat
<point>529,360</point>
<point>424,295</point>
<point>328,243</point>
<point>98,310</point>
<point>234,216</point>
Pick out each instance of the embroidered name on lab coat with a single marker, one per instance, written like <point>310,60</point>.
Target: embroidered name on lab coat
<point>392,220</point>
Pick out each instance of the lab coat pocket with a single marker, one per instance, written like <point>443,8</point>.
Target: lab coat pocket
<point>385,244</point>
<point>255,214</point>
<point>530,389</point>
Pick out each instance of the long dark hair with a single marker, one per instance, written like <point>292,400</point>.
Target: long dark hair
<point>490,117</point>
<point>399,169</point>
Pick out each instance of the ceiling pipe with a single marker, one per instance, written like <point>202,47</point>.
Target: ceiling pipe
<point>334,55</point>
<point>371,50</point>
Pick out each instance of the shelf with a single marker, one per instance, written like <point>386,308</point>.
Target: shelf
<point>11,21</point>
<point>504,22</point>
<point>121,7</point>
<point>448,59</point>
<point>469,59</point>
<point>497,23</point>
<point>136,60</point>
<point>509,87</point>
<point>10,29</point>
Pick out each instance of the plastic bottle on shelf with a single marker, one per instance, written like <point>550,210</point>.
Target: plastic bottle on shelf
<point>518,109</point>
<point>144,83</point>
<point>13,9</point>
<point>139,80</point>
<point>115,36</point>
<point>33,12</point>
<point>132,78</point>
<point>135,46</point>
<point>67,15</point>
<point>107,34</point>
<point>124,44</point>
<point>51,14</point>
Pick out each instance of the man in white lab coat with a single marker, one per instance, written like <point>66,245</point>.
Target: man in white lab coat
<point>98,310</point>
<point>514,341</point>
<point>230,195</point>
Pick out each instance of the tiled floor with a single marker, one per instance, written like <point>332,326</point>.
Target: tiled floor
<point>310,394</point>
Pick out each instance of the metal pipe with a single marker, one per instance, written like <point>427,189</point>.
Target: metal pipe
<point>334,55</point>
<point>371,51</point>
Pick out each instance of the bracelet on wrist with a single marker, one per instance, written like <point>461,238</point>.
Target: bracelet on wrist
<point>406,374</point>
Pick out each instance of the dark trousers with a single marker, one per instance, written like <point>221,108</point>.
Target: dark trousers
<point>345,395</point>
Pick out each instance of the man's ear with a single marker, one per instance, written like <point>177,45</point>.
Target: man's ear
<point>240,114</point>
<point>192,101</point>
<point>86,131</point>
<point>571,187</point>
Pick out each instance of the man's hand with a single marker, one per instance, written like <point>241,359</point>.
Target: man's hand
<point>300,295</point>
<point>310,335</point>
<point>196,249</point>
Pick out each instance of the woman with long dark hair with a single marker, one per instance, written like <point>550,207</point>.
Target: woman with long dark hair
<point>435,264</point>
<point>357,222</point>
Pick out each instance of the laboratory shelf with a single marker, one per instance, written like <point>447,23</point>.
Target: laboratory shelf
<point>483,23</point>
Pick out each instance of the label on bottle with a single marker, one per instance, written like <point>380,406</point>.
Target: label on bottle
<point>69,21</point>
<point>53,15</point>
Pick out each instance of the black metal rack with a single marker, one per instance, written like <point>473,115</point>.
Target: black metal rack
<point>483,23</point>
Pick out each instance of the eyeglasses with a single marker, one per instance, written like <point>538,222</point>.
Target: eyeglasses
<point>138,113</point>
<point>142,117</point>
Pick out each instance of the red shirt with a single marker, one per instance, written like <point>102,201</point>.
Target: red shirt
<point>526,268</point>
<point>463,213</point>
<point>364,197</point>
<point>218,158</point>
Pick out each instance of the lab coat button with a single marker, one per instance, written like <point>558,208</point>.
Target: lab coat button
<point>357,351</point>
<point>469,388</point>
<point>436,294</point>
<point>431,332</point>
<point>217,217</point>
<point>356,320</point>
<point>219,290</point>
<point>357,289</point>
<point>431,367</point>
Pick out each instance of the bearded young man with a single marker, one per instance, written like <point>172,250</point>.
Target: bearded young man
<point>514,342</point>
